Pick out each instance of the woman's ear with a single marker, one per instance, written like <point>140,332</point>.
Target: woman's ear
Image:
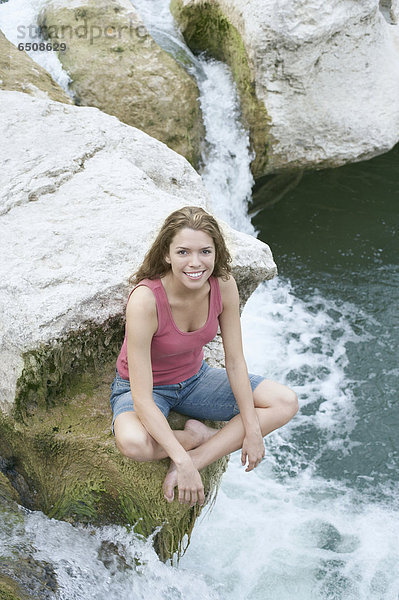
<point>167,259</point>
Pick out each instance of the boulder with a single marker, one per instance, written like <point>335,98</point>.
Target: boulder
<point>116,66</point>
<point>19,72</point>
<point>327,73</point>
<point>82,197</point>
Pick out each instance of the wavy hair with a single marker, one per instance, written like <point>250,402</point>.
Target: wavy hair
<point>191,217</point>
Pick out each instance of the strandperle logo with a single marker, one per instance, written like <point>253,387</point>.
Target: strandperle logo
<point>82,31</point>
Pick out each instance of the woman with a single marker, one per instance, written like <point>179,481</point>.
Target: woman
<point>183,290</point>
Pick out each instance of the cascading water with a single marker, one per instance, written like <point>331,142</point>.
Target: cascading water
<point>296,527</point>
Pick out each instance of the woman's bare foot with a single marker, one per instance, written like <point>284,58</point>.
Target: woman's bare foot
<point>170,482</point>
<point>200,432</point>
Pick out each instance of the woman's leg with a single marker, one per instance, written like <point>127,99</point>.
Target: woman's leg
<point>275,405</point>
<point>134,441</point>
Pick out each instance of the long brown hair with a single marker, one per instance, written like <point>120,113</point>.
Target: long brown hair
<point>192,217</point>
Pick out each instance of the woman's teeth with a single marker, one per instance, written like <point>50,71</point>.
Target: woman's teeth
<point>195,275</point>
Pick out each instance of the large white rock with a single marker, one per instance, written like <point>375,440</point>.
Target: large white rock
<point>82,196</point>
<point>327,72</point>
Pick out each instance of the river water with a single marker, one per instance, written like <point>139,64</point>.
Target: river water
<point>318,519</point>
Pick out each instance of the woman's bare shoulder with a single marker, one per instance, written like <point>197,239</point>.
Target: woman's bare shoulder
<point>142,303</point>
<point>228,289</point>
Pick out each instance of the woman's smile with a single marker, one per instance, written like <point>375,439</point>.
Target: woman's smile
<point>194,274</point>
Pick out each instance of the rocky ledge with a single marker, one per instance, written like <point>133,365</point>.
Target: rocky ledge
<point>82,196</point>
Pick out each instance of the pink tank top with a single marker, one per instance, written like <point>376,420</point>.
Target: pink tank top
<point>175,355</point>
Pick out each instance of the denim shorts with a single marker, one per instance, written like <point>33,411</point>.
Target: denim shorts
<point>205,395</point>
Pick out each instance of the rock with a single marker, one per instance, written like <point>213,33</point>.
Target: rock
<point>82,197</point>
<point>25,578</point>
<point>116,66</point>
<point>19,72</point>
<point>8,495</point>
<point>21,576</point>
<point>8,588</point>
<point>327,73</point>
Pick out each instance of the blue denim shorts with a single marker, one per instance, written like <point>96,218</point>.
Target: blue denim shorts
<point>205,395</point>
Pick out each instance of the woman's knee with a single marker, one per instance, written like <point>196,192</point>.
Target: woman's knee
<point>136,448</point>
<point>132,439</point>
<point>271,394</point>
<point>289,402</point>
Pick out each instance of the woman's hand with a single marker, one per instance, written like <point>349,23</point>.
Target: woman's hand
<point>189,484</point>
<point>253,450</point>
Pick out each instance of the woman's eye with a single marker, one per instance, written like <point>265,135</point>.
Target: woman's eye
<point>207,251</point>
<point>181,252</point>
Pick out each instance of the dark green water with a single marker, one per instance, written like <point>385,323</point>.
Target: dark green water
<point>335,236</point>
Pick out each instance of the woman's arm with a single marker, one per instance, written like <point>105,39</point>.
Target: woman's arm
<point>141,325</point>
<point>253,448</point>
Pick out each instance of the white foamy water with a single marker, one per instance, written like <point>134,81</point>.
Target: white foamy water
<point>226,155</point>
<point>106,563</point>
<point>304,538</point>
<point>281,531</point>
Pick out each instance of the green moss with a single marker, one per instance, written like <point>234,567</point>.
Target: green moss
<point>9,589</point>
<point>63,461</point>
<point>207,29</point>
<point>53,368</point>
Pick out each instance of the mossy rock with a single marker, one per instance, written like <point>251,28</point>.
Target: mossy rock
<point>9,590</point>
<point>8,495</point>
<point>116,66</point>
<point>207,29</point>
<point>62,460</point>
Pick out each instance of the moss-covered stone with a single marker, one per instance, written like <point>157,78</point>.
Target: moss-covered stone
<point>206,28</point>
<point>56,368</point>
<point>20,73</point>
<point>63,460</point>
<point>8,495</point>
<point>9,590</point>
<point>116,66</point>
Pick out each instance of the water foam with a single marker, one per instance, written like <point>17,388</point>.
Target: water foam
<point>303,538</point>
<point>226,154</point>
<point>108,563</point>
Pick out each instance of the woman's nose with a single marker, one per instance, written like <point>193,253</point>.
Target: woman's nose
<point>195,260</point>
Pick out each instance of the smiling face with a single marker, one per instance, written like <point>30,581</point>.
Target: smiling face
<point>191,257</point>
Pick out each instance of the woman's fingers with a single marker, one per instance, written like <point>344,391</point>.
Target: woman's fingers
<point>253,463</point>
<point>192,496</point>
<point>201,496</point>
<point>189,483</point>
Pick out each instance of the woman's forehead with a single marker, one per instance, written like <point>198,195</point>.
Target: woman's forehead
<point>192,237</point>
